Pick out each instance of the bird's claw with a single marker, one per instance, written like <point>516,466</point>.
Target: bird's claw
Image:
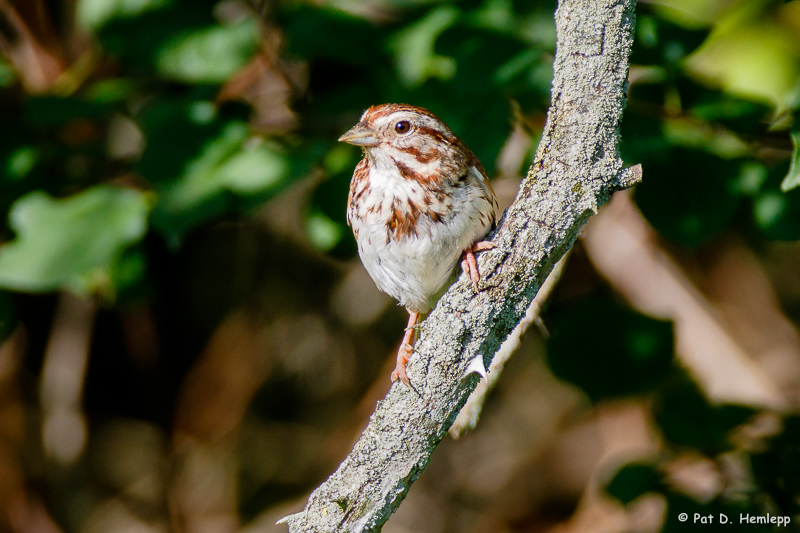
<point>403,354</point>
<point>483,245</point>
<point>469,265</point>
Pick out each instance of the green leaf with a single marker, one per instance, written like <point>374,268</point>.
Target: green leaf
<point>414,48</point>
<point>24,158</point>
<point>111,91</point>
<point>208,55</point>
<point>777,213</point>
<point>707,104</point>
<point>176,131</point>
<point>537,27</point>
<point>20,162</point>
<point>137,42</point>
<point>752,176</point>
<point>93,14</point>
<point>661,42</point>
<point>609,350</point>
<point>330,196</point>
<point>792,179</point>
<point>233,162</point>
<point>71,243</point>
<point>634,480</point>
<point>497,58</point>
<point>204,162</point>
<point>323,232</point>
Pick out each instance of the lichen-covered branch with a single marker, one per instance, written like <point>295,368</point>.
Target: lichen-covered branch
<point>469,415</point>
<point>577,168</point>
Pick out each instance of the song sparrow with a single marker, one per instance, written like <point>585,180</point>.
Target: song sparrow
<point>419,201</point>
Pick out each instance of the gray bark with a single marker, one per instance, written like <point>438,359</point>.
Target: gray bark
<point>468,417</point>
<point>576,169</point>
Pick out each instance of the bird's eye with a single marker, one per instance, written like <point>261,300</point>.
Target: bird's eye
<point>402,127</point>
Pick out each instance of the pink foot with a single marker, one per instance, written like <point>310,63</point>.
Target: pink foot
<point>405,350</point>
<point>402,360</point>
<point>469,265</point>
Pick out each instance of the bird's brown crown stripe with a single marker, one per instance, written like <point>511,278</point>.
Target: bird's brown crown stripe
<point>384,110</point>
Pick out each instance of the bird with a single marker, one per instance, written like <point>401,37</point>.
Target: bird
<point>419,205</point>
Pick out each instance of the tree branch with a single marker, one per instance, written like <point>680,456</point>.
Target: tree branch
<point>576,169</point>
<point>468,417</point>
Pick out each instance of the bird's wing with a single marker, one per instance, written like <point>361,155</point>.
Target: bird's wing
<point>480,175</point>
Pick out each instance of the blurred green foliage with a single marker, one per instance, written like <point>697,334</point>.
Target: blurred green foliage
<point>632,353</point>
<point>704,154</point>
<point>155,135</point>
<point>71,243</point>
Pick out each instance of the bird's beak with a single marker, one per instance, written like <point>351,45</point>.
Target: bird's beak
<point>360,135</point>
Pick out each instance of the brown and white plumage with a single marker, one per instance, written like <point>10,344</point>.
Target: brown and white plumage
<point>419,201</point>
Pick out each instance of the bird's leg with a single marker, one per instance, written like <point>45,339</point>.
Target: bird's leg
<point>405,350</point>
<point>469,265</point>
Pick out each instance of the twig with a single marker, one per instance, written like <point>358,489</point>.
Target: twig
<point>468,418</point>
<point>577,168</point>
